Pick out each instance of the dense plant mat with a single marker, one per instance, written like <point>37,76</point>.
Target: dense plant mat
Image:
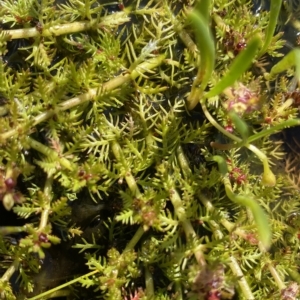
<point>144,150</point>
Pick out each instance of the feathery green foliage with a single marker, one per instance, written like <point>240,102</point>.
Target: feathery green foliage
<point>139,148</point>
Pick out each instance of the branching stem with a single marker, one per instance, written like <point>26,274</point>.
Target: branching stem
<point>91,94</point>
<point>40,296</point>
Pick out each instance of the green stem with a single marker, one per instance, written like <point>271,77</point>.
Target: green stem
<point>149,284</point>
<point>49,153</point>
<point>229,226</point>
<point>183,162</point>
<point>186,224</point>
<point>280,283</point>
<point>261,219</point>
<point>137,236</point>
<point>10,271</point>
<point>274,13</point>
<point>5,230</point>
<point>56,30</point>
<point>276,277</point>
<point>218,126</point>
<point>273,129</point>
<point>47,206</point>
<point>91,94</point>
<point>131,182</point>
<point>236,270</point>
<point>268,178</point>
<point>40,296</point>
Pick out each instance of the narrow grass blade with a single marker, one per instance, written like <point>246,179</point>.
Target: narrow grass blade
<point>242,62</point>
<point>274,13</point>
<point>239,124</point>
<point>202,8</point>
<point>292,59</point>
<point>206,46</point>
<point>260,217</point>
<point>221,164</point>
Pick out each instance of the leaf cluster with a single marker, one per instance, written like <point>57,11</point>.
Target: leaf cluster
<point>162,118</point>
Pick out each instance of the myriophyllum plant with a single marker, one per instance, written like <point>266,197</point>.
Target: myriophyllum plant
<point>138,141</point>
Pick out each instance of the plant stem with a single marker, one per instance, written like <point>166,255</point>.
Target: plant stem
<point>10,271</point>
<point>236,270</point>
<point>116,148</point>
<point>276,277</point>
<point>260,217</point>
<point>268,178</point>
<point>274,273</point>
<point>47,205</point>
<point>56,30</point>
<point>5,230</point>
<point>229,226</point>
<point>50,153</point>
<point>91,94</point>
<point>139,233</point>
<point>40,296</point>
<point>273,129</point>
<point>149,284</point>
<point>183,162</point>
<point>186,224</point>
<point>216,124</point>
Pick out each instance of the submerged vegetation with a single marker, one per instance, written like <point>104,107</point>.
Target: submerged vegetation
<point>141,153</point>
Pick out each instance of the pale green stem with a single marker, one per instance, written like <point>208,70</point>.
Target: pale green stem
<point>294,274</point>
<point>186,224</point>
<point>196,90</point>
<point>236,270</point>
<point>10,271</point>
<point>183,162</point>
<point>183,34</point>
<point>276,277</point>
<point>73,27</point>
<point>178,291</point>
<point>40,296</point>
<point>91,94</point>
<point>187,40</point>
<point>50,153</point>
<point>149,284</point>
<point>137,236</point>
<point>268,178</point>
<point>47,206</point>
<point>230,227</point>
<point>273,21</point>
<point>5,230</point>
<point>216,125</point>
<point>274,273</point>
<point>131,182</point>
<point>260,217</point>
<point>273,129</point>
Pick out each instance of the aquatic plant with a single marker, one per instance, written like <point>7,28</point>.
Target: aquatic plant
<point>140,150</point>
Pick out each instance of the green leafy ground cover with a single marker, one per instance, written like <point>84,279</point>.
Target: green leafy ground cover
<point>138,150</point>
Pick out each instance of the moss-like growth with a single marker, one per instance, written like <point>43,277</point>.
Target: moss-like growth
<point>138,149</point>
